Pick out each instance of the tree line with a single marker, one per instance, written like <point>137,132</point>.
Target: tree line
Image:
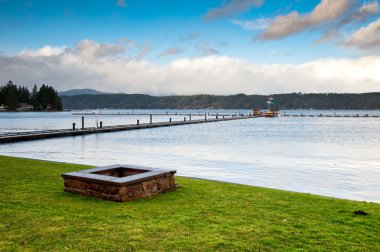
<point>44,98</point>
<point>239,101</point>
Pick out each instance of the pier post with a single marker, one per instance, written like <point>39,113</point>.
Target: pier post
<point>223,117</point>
<point>82,122</point>
<point>205,117</point>
<point>217,115</point>
<point>101,124</point>
<point>73,126</point>
<point>170,120</point>
<point>184,119</point>
<point>138,122</point>
<point>190,117</point>
<point>150,119</point>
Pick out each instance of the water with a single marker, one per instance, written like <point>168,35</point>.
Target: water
<point>336,157</point>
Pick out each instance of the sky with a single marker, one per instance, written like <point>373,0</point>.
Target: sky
<point>166,47</point>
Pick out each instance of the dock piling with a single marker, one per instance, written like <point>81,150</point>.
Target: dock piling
<point>101,124</point>
<point>73,126</point>
<point>82,122</point>
<point>150,119</point>
<point>138,122</point>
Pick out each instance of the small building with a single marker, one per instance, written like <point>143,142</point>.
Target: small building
<point>24,107</point>
<point>46,107</point>
<point>3,108</point>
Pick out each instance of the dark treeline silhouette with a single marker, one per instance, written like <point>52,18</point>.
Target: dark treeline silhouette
<point>13,97</point>
<point>239,101</point>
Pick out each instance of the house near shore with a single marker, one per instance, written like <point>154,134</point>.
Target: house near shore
<point>3,108</point>
<point>24,107</point>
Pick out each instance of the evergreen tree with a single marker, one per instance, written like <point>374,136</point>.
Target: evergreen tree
<point>23,94</point>
<point>57,105</point>
<point>11,99</point>
<point>33,99</point>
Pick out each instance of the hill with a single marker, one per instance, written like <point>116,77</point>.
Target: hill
<point>72,92</point>
<point>239,101</point>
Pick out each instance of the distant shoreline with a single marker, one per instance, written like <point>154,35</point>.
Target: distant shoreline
<point>326,101</point>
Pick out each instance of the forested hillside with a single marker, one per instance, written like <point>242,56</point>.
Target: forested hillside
<point>239,101</point>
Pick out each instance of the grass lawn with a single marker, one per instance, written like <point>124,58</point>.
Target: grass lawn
<point>36,215</point>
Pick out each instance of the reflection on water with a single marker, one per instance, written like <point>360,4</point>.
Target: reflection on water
<point>328,156</point>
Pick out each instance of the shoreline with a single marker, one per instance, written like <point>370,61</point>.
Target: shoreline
<point>209,179</point>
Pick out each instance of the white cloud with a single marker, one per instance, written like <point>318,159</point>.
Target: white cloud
<point>327,36</point>
<point>170,52</point>
<point>190,36</point>
<point>45,51</point>
<point>89,49</point>
<point>208,50</point>
<point>126,41</point>
<point>207,74</point>
<point>325,11</point>
<point>358,15</point>
<point>143,51</point>
<point>253,25</point>
<point>366,37</point>
<point>231,8</point>
<point>368,9</point>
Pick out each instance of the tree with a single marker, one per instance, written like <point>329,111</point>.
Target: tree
<point>57,105</point>
<point>23,94</point>
<point>11,99</point>
<point>10,95</point>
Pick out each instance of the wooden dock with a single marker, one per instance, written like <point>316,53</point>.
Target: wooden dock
<point>332,115</point>
<point>43,134</point>
<point>154,114</point>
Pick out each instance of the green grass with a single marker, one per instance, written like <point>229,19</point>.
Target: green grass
<point>36,215</point>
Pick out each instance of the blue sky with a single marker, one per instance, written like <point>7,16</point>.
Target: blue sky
<point>154,40</point>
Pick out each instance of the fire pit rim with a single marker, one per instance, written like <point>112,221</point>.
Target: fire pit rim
<point>89,174</point>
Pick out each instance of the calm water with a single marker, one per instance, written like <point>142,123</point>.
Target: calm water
<point>337,157</point>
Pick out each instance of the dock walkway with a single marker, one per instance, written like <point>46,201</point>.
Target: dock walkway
<point>42,134</point>
<point>331,115</point>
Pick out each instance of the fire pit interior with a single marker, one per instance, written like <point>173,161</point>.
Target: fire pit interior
<point>120,172</point>
<point>120,182</point>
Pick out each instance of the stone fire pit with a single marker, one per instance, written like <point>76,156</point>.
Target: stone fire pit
<point>120,182</point>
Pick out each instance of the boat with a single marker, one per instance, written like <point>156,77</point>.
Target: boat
<point>272,113</point>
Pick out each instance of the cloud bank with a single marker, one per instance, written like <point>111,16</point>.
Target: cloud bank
<point>104,67</point>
